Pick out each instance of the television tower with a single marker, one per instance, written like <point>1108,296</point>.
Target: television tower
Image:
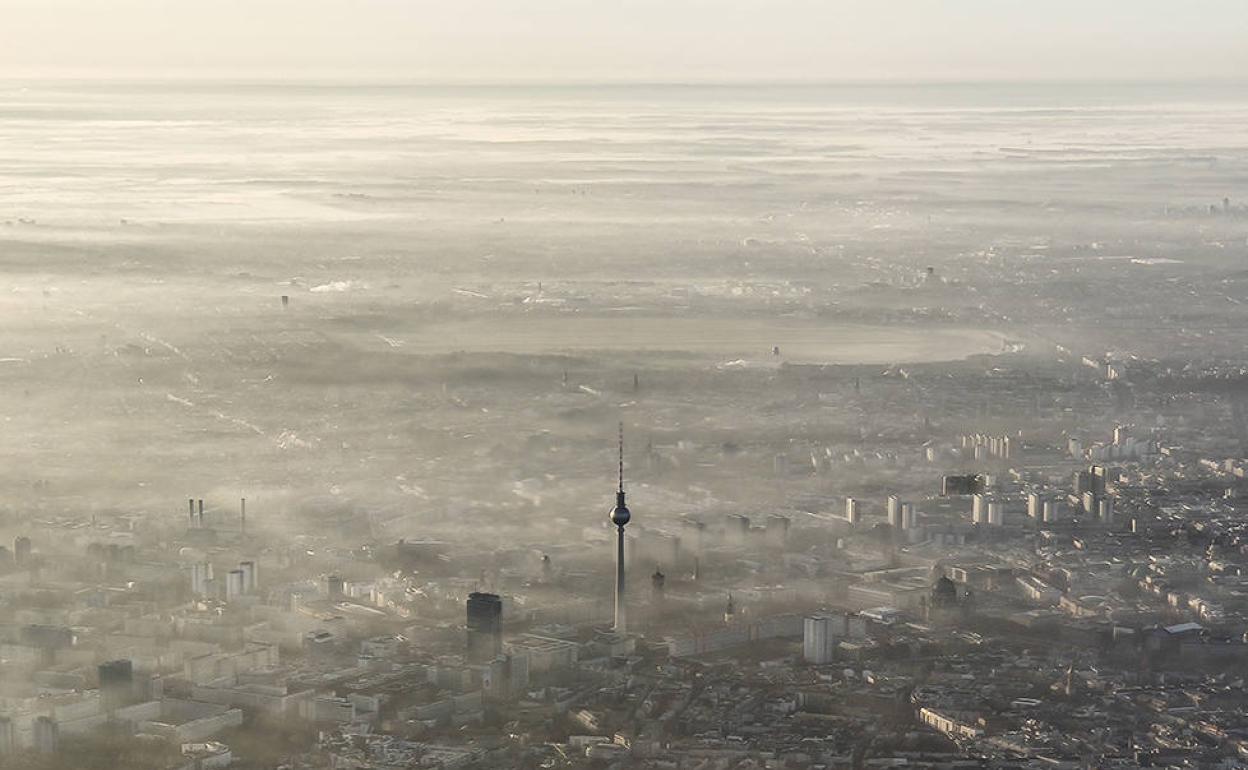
<point>619,517</point>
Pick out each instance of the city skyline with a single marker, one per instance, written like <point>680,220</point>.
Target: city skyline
<point>925,322</point>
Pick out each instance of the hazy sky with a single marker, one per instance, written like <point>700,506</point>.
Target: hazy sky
<point>628,39</point>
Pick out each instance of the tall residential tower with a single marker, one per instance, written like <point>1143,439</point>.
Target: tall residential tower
<point>485,627</point>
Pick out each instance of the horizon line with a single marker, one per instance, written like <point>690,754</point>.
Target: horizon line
<point>397,81</point>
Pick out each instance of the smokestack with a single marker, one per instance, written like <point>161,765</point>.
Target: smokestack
<point>242,514</point>
<point>190,504</point>
<point>201,512</point>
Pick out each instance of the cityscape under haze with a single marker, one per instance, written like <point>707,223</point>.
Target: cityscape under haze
<point>599,388</point>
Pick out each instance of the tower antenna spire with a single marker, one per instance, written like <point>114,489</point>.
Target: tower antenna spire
<point>621,490</point>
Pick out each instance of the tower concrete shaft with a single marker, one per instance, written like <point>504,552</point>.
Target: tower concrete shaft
<point>621,612</point>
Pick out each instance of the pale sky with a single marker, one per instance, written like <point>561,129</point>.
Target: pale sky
<point>628,40</point>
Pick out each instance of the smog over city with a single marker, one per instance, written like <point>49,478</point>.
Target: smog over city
<point>677,386</point>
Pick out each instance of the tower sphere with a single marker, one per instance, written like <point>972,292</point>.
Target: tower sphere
<point>620,514</point>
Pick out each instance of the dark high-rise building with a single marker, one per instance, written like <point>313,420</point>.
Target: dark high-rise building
<point>1081,482</point>
<point>485,627</point>
<point>116,683</point>
<point>251,577</point>
<point>335,587</point>
<point>1093,480</point>
<point>1100,479</point>
<point>47,735</point>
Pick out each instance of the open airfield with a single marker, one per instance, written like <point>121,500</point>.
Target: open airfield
<point>481,282</point>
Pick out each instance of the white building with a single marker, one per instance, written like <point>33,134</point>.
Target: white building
<point>894,511</point>
<point>954,725</point>
<point>996,514</point>
<point>979,509</point>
